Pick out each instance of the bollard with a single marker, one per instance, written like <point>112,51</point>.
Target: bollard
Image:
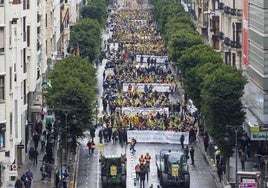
<point>135,181</point>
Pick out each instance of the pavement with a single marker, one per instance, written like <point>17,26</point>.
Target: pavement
<point>50,183</point>
<point>27,164</point>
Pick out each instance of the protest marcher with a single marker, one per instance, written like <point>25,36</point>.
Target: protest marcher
<point>35,157</point>
<point>147,158</point>
<point>182,141</point>
<point>18,183</point>
<point>142,175</point>
<point>137,171</point>
<point>132,145</point>
<point>219,171</point>
<point>192,155</point>
<point>186,153</point>
<point>89,145</point>
<point>206,141</point>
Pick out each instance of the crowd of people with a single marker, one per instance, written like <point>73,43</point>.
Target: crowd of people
<point>137,60</point>
<point>142,169</point>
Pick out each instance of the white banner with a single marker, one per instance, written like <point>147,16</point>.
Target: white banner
<point>158,87</point>
<point>149,136</point>
<point>159,59</point>
<point>144,111</point>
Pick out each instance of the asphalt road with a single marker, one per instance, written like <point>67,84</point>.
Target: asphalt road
<point>89,169</point>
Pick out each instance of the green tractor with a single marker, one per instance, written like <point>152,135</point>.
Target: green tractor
<point>113,170</point>
<point>172,168</point>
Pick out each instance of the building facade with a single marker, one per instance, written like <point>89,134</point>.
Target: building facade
<point>238,30</point>
<point>220,24</point>
<point>33,35</point>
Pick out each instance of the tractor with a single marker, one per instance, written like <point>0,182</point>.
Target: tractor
<point>172,168</point>
<point>113,170</point>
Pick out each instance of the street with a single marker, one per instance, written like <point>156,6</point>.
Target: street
<point>88,173</point>
<point>89,166</point>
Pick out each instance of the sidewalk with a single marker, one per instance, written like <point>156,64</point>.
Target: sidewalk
<point>250,165</point>
<point>27,164</point>
<point>37,182</point>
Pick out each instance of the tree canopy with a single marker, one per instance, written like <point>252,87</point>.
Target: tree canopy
<point>215,87</point>
<point>73,94</point>
<point>95,9</point>
<point>86,37</point>
<point>221,102</point>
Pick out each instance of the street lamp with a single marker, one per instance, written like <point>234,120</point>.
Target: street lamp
<point>96,118</point>
<point>235,129</point>
<point>265,159</point>
<point>68,139</point>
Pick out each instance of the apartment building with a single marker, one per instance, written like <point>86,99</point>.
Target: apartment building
<point>255,60</point>
<point>33,36</point>
<point>238,29</point>
<point>20,62</point>
<point>220,24</point>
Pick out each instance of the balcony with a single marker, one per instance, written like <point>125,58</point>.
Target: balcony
<point>227,41</point>
<point>221,35</point>
<point>227,10</point>
<point>233,12</point>
<point>239,12</point>
<point>214,37</point>
<point>220,6</point>
<point>235,44</point>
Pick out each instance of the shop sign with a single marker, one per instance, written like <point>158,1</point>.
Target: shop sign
<point>259,136</point>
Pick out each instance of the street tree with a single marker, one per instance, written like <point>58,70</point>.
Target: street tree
<point>86,38</point>
<point>221,104</point>
<point>180,41</point>
<point>194,79</point>
<point>96,10</point>
<point>197,55</point>
<point>72,93</point>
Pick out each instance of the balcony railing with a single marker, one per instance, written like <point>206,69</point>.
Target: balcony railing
<point>221,35</point>
<point>227,10</point>
<point>227,41</point>
<point>233,12</point>
<point>235,44</point>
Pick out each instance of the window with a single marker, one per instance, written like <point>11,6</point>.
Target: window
<point>24,61</point>
<point>16,2</point>
<point>2,47</point>
<point>11,123</point>
<point>2,88</point>
<point>2,135</point>
<point>28,36</point>
<point>227,58</point>
<point>24,29</point>
<point>24,92</point>
<point>1,2</point>
<point>10,78</point>
<point>28,4</point>
<point>24,4</point>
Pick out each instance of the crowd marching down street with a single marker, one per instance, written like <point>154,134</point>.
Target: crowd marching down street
<point>140,91</point>
<point>138,84</point>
